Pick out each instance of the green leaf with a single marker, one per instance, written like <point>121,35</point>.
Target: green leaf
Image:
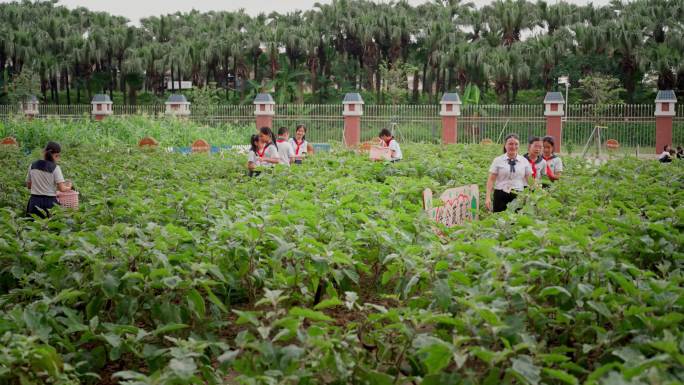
<point>214,299</point>
<point>309,314</point>
<point>328,303</point>
<point>561,375</point>
<point>526,370</point>
<point>196,303</point>
<point>442,294</point>
<point>554,291</point>
<point>169,328</point>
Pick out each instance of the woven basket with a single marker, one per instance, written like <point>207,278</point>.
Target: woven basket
<point>68,199</point>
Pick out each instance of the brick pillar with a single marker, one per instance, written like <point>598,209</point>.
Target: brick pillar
<point>666,101</point>
<point>264,111</point>
<point>450,111</point>
<point>554,111</point>
<point>352,112</point>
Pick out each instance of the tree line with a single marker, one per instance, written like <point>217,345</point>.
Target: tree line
<point>315,55</point>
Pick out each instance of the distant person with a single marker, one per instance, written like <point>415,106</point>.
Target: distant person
<point>554,164</point>
<point>667,154</point>
<point>263,151</point>
<point>44,179</point>
<point>387,140</point>
<point>534,157</point>
<point>299,144</point>
<point>680,152</point>
<point>508,175</point>
<point>285,150</point>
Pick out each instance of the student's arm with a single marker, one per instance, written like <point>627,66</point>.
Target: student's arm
<point>490,188</point>
<point>64,186</point>
<point>251,166</point>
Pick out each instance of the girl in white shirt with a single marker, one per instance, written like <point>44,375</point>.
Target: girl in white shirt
<point>537,162</point>
<point>388,141</point>
<point>263,152</point>
<point>299,144</point>
<point>507,176</point>
<point>44,179</point>
<point>666,156</point>
<point>554,164</point>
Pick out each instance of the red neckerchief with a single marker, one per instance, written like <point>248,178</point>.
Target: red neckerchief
<point>299,144</point>
<point>261,154</point>
<point>549,172</point>
<point>280,140</point>
<point>387,142</point>
<point>534,165</point>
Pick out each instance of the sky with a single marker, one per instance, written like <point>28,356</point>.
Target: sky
<point>136,9</point>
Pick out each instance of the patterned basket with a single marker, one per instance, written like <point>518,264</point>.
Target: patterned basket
<point>68,199</point>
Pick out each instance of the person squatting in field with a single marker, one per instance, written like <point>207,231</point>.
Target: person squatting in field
<point>44,179</point>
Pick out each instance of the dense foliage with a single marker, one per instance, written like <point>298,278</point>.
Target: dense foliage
<point>505,47</point>
<point>122,131</point>
<point>180,269</point>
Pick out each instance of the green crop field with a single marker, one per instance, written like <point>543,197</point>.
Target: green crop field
<point>179,269</point>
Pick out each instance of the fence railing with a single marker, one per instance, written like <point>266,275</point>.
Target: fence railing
<point>632,125</point>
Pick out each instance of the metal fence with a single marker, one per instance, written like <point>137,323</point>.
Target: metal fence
<point>631,125</point>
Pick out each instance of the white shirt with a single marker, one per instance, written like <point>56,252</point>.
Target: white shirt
<point>299,151</point>
<point>394,146</point>
<point>269,152</point>
<point>43,182</point>
<point>665,154</point>
<point>507,181</point>
<point>555,164</point>
<point>285,152</point>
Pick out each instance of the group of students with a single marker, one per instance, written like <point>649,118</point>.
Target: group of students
<point>512,173</point>
<point>266,150</point>
<point>669,154</point>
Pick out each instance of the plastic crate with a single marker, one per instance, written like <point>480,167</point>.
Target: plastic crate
<point>68,199</point>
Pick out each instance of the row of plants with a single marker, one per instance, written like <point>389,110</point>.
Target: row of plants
<point>126,131</point>
<point>180,269</point>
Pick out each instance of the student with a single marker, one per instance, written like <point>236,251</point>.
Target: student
<point>554,164</point>
<point>263,151</point>
<point>387,140</point>
<point>666,155</point>
<point>299,144</point>
<point>534,157</point>
<point>680,152</point>
<point>44,179</point>
<point>508,175</point>
<point>285,150</point>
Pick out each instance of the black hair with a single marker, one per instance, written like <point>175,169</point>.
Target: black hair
<point>50,149</point>
<point>254,146</point>
<point>282,131</point>
<point>549,139</point>
<point>303,127</point>
<point>267,131</point>
<point>533,139</point>
<point>509,136</point>
<point>385,132</point>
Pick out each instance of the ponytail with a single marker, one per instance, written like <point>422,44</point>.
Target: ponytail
<point>50,149</point>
